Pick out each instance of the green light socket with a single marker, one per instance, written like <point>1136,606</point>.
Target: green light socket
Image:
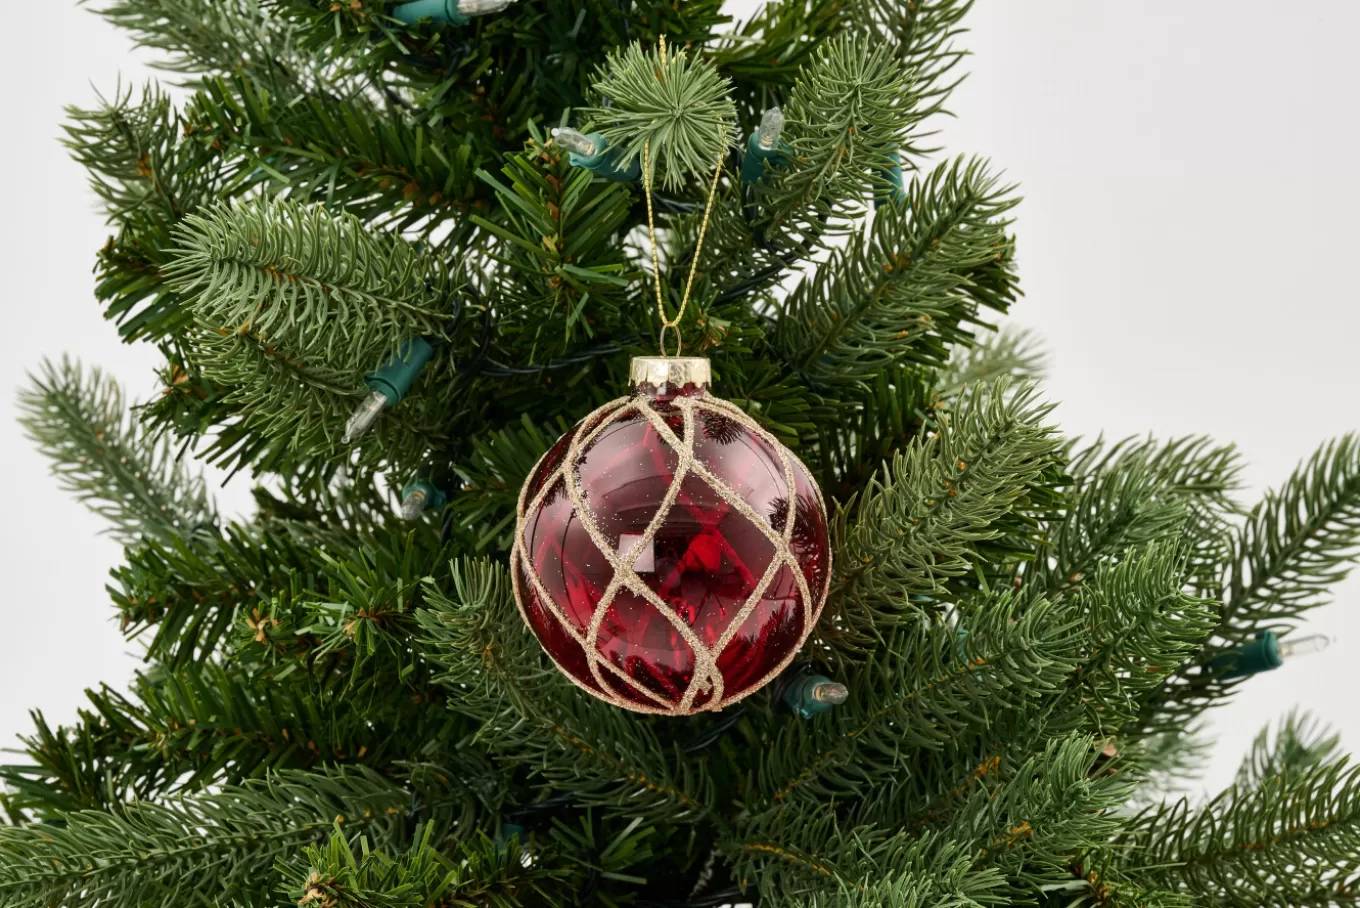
<point>897,188</point>
<point>435,498</point>
<point>507,831</point>
<point>601,163</point>
<point>1259,655</point>
<point>436,10</point>
<point>800,696</point>
<point>753,165</point>
<point>395,377</point>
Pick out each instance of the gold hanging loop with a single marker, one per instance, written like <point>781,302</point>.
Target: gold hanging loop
<point>661,341</point>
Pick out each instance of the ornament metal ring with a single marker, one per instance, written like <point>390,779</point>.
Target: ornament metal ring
<point>679,343</point>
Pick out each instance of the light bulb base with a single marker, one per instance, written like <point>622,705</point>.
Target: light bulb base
<point>508,832</point>
<point>395,377</point>
<point>1261,654</point>
<point>454,12</point>
<point>603,162</point>
<point>894,188</point>
<point>433,10</point>
<point>577,144</point>
<point>421,497</point>
<point>753,168</point>
<point>811,695</point>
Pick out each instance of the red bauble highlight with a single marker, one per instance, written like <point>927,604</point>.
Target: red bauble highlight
<point>708,590</point>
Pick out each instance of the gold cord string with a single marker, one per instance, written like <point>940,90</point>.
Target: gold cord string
<point>668,324</point>
<point>651,232</point>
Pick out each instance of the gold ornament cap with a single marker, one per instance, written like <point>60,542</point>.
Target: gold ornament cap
<point>676,372</point>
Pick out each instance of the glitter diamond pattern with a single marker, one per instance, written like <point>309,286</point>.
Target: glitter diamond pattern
<point>671,556</point>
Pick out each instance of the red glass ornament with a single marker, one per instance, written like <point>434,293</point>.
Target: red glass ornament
<point>671,556</point>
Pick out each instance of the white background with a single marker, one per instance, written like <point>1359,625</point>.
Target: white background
<point>1188,248</point>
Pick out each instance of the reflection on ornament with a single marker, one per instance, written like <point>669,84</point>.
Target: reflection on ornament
<point>645,559</point>
<point>671,555</point>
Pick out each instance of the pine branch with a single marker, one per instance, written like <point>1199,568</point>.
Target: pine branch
<point>294,308</point>
<point>1285,843</point>
<point>525,63</point>
<point>103,455</point>
<point>766,52</point>
<point>908,889</point>
<point>348,872</point>
<point>230,36</point>
<point>350,154</point>
<point>1143,628</point>
<point>1033,820</point>
<point>679,111</point>
<point>134,155</point>
<point>1013,354</point>
<point>492,476</point>
<point>1169,762</point>
<point>923,35</point>
<point>1105,881</point>
<point>856,437</point>
<point>1300,744</point>
<point>319,669</point>
<point>907,290</point>
<point>148,179</point>
<point>1118,502</point>
<point>945,880</point>
<point>927,688</point>
<point>323,286</point>
<point>1131,494</point>
<point>847,118</point>
<point>596,754</point>
<point>185,598</point>
<point>211,848</point>
<point>814,858</point>
<point>1298,543</point>
<point>1294,546</point>
<point>1027,820</point>
<point>200,726</point>
<point>560,230</point>
<point>921,525</point>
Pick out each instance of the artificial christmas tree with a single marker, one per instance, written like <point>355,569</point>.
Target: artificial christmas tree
<point>392,253</point>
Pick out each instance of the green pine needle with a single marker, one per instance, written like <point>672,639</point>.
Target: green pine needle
<point>1297,544</point>
<point>1244,847</point>
<point>910,287</point>
<point>211,849</point>
<point>102,453</point>
<point>1300,742</point>
<point>680,109</point>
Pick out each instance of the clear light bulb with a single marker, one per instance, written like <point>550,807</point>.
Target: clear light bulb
<point>575,142</point>
<point>1304,646</point>
<point>413,506</point>
<point>771,125</point>
<point>482,7</point>
<point>364,416</point>
<point>832,693</point>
